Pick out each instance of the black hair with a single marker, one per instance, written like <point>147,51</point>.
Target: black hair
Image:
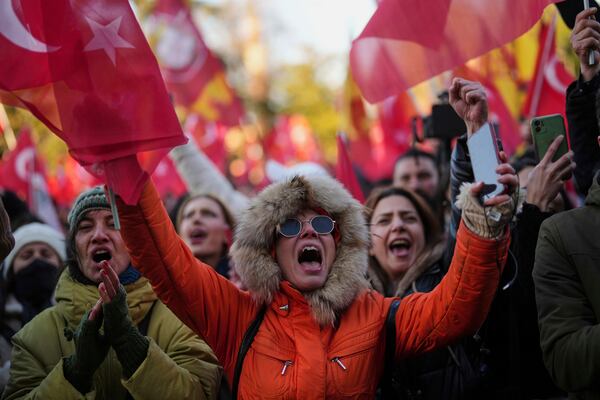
<point>413,152</point>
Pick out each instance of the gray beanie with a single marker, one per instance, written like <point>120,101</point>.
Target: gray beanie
<point>92,199</point>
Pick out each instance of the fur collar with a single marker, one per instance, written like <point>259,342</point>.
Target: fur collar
<point>255,238</point>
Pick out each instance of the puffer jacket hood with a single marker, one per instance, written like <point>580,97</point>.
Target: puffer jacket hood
<point>256,234</point>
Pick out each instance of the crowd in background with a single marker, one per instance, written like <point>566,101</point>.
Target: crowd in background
<point>423,292</point>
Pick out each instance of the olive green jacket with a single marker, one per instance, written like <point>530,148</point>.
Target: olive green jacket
<point>179,365</point>
<point>567,289</point>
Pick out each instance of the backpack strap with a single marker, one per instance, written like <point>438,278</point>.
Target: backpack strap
<point>244,347</point>
<point>390,351</point>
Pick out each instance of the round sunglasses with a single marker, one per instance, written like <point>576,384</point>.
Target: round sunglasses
<point>291,227</point>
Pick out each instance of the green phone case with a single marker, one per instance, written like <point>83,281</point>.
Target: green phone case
<point>544,130</point>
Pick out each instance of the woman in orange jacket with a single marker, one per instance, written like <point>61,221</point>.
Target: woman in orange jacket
<point>301,249</point>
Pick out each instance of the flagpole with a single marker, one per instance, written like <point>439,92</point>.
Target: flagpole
<point>113,208</point>
<point>591,58</point>
<point>539,79</point>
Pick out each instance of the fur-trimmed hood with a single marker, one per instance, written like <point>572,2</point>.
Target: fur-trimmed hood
<point>255,237</point>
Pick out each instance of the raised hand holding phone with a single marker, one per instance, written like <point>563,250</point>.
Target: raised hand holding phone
<point>493,176</point>
<point>585,41</point>
<point>548,177</point>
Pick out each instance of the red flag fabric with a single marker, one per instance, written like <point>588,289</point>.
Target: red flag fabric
<point>69,180</point>
<point>193,74</point>
<point>84,68</point>
<point>389,138</point>
<point>292,141</point>
<point>409,41</point>
<point>344,171</point>
<point>24,172</point>
<point>210,138</point>
<point>167,180</point>
<point>352,105</point>
<point>547,90</point>
<point>19,165</point>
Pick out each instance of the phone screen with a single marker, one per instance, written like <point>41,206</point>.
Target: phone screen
<point>483,151</point>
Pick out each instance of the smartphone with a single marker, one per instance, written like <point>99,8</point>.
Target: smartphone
<point>544,130</point>
<point>484,154</point>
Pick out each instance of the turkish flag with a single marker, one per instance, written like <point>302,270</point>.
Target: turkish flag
<point>409,41</point>
<point>24,172</point>
<point>548,88</point>
<point>19,165</point>
<point>193,74</point>
<point>344,170</point>
<point>84,68</point>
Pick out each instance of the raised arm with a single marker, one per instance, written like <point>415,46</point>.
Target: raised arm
<point>206,302</point>
<point>201,176</point>
<point>581,102</point>
<point>459,304</point>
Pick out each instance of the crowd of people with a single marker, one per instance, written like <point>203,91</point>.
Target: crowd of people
<point>426,291</point>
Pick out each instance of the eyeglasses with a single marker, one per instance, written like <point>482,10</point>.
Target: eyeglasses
<point>291,227</point>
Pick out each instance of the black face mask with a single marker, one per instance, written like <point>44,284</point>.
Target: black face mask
<point>34,284</point>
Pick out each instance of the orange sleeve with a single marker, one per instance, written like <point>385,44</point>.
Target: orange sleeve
<point>459,304</point>
<point>205,301</point>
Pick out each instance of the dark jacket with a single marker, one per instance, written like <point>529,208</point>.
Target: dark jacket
<point>567,276</point>
<point>510,354</point>
<point>583,131</point>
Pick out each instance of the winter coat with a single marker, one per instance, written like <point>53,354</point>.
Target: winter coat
<point>567,290</point>
<point>583,131</point>
<point>327,343</point>
<point>509,338</point>
<point>178,366</point>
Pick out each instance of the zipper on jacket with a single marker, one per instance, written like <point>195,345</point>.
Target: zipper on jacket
<point>286,364</point>
<point>339,362</point>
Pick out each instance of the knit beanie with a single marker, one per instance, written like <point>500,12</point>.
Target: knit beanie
<point>92,199</point>
<point>33,233</point>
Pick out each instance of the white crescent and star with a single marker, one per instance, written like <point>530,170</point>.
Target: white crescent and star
<point>23,163</point>
<point>107,38</point>
<point>552,75</point>
<point>15,32</point>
